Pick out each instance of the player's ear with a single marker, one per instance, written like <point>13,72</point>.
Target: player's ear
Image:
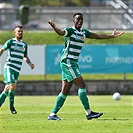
<point>14,31</point>
<point>74,20</point>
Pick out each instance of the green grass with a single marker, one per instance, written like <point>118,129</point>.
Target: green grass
<point>85,76</point>
<point>45,37</point>
<point>34,110</point>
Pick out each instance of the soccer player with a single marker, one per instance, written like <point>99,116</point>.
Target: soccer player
<point>74,38</point>
<point>17,51</point>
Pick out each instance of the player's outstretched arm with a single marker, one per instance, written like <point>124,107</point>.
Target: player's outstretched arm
<point>106,36</point>
<point>57,30</point>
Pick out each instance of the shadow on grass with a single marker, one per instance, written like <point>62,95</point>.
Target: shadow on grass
<point>114,119</point>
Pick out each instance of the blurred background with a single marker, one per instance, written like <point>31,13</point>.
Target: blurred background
<point>98,14</point>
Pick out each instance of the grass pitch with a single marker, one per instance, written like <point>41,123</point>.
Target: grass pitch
<point>34,110</point>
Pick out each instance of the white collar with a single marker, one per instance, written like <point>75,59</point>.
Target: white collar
<point>17,40</point>
<point>76,29</point>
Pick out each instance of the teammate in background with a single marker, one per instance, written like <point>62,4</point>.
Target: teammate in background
<point>74,39</point>
<point>17,51</point>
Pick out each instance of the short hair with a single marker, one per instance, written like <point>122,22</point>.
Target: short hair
<point>19,26</point>
<point>78,14</point>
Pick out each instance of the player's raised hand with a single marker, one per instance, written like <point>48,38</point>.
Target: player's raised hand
<point>57,30</point>
<point>51,23</point>
<point>116,34</point>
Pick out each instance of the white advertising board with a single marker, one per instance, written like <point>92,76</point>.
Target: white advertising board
<point>36,54</point>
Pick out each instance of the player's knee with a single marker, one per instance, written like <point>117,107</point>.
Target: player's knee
<point>12,86</point>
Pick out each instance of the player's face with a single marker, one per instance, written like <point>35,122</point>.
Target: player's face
<point>18,32</point>
<point>78,21</point>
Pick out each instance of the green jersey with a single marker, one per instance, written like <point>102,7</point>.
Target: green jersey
<point>74,41</point>
<point>16,52</point>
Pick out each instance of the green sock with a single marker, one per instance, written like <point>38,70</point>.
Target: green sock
<point>83,98</point>
<point>3,96</point>
<point>59,102</point>
<point>11,97</point>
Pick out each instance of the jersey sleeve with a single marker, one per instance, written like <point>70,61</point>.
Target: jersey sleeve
<point>87,33</point>
<point>7,45</point>
<point>68,32</point>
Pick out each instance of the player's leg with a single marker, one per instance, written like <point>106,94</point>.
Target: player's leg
<point>10,78</point>
<point>4,94</point>
<point>62,96</point>
<point>82,94</point>
<point>11,98</point>
<point>60,100</point>
<point>11,92</point>
<point>76,78</point>
<point>84,100</point>
<point>66,85</point>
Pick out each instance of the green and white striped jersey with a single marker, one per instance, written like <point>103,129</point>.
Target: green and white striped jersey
<point>74,41</point>
<point>16,52</point>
